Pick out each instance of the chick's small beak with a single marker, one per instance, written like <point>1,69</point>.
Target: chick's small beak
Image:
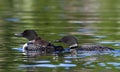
<point>56,41</point>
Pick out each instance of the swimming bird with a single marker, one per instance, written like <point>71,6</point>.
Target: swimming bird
<point>72,42</point>
<point>37,46</point>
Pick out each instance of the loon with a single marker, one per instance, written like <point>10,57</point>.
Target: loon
<point>37,46</point>
<point>72,42</point>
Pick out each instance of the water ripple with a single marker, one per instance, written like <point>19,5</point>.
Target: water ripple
<point>48,65</point>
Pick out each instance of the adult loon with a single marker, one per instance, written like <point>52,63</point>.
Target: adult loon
<point>37,46</point>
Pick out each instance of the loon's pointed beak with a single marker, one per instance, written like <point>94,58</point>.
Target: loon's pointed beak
<point>18,35</point>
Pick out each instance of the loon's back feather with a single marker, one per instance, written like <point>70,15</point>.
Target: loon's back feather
<point>94,47</point>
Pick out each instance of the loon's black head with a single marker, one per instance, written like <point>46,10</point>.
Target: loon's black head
<point>29,34</point>
<point>71,41</point>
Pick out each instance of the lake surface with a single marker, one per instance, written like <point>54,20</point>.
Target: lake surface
<point>90,21</point>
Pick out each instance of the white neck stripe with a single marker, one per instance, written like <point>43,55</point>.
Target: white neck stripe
<point>74,45</point>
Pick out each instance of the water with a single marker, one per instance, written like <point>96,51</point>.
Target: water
<point>93,21</point>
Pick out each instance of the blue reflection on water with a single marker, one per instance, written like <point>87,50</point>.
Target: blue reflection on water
<point>68,61</point>
<point>20,49</point>
<point>13,19</point>
<point>43,61</point>
<point>116,64</point>
<point>49,65</point>
<point>107,42</point>
<point>117,44</point>
<point>88,63</point>
<point>102,64</point>
<point>99,36</point>
<point>106,65</point>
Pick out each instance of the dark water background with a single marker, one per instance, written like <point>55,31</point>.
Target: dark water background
<point>91,21</point>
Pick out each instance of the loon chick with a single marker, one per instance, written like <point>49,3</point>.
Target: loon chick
<point>72,42</point>
<point>37,46</point>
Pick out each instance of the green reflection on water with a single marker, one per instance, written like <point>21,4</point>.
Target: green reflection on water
<point>53,19</point>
